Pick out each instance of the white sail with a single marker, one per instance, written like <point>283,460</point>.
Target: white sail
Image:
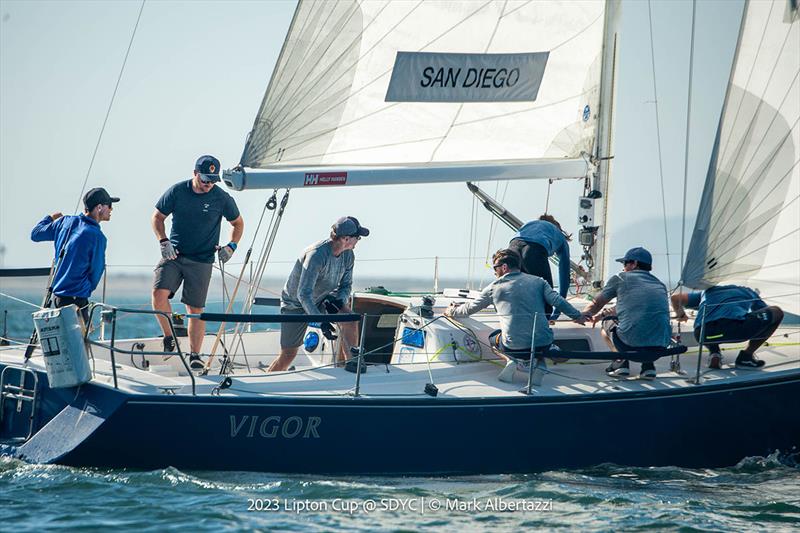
<point>327,102</point>
<point>748,225</point>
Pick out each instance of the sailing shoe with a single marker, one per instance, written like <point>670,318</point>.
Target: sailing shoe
<point>619,367</point>
<point>748,360</point>
<point>196,362</point>
<point>715,361</point>
<point>169,343</point>
<point>507,374</point>
<point>648,371</point>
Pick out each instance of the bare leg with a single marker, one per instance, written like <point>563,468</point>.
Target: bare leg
<point>608,340</point>
<point>777,318</point>
<point>160,301</point>
<point>197,329</point>
<point>349,336</point>
<point>284,360</point>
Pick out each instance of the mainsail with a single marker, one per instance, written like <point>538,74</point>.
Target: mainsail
<point>333,107</point>
<point>748,225</point>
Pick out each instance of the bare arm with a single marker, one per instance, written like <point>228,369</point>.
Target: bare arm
<point>599,302</point>
<point>238,229</point>
<point>157,223</point>
<point>679,301</point>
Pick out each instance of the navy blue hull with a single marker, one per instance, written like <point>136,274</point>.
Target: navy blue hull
<point>711,426</point>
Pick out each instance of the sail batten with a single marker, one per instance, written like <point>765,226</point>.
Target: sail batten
<point>327,103</point>
<point>748,226</point>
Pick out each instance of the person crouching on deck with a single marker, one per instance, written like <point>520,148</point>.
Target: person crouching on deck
<point>640,320</point>
<point>518,297</point>
<point>320,283</point>
<point>731,314</point>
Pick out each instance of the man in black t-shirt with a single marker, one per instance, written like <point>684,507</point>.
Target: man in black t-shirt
<point>187,256</point>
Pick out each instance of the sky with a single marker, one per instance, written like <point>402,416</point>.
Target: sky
<point>194,79</point>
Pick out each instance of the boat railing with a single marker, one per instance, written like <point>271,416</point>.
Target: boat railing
<point>109,313</point>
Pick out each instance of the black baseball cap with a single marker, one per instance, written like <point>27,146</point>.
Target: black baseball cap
<point>349,227</point>
<point>208,166</point>
<point>98,196</point>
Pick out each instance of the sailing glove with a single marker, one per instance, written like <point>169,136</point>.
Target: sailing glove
<point>332,305</point>
<point>328,331</point>
<point>226,252</point>
<point>167,250</point>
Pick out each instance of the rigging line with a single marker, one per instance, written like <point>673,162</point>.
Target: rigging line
<point>461,105</point>
<point>471,241</point>
<point>579,33</point>
<point>745,196</point>
<point>658,141</point>
<point>110,104</point>
<point>284,107</point>
<point>756,112</point>
<point>756,230</point>
<point>389,70</point>
<point>686,145</point>
<point>724,150</point>
<point>730,176</point>
<point>492,227</point>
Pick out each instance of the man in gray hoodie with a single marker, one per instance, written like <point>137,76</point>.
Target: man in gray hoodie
<point>518,297</point>
<point>321,282</point>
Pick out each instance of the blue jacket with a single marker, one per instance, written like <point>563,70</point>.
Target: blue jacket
<point>724,301</point>
<point>550,237</point>
<point>84,253</point>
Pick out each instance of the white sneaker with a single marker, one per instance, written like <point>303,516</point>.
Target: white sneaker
<point>538,373</point>
<point>507,374</point>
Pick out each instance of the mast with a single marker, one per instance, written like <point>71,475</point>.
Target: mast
<point>594,205</point>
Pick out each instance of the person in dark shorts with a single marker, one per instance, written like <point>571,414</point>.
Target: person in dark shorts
<point>83,245</point>
<point>640,320</point>
<point>187,256</point>
<point>320,283</point>
<point>732,314</point>
<point>535,242</point>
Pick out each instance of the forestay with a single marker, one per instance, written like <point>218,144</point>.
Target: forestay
<point>529,70</point>
<point>748,226</point>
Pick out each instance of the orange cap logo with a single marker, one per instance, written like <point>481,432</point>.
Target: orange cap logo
<point>212,167</point>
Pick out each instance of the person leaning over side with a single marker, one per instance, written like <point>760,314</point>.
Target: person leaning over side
<point>517,297</point>
<point>320,283</point>
<point>640,320</point>
<point>535,242</point>
<point>187,256</point>
<point>732,314</point>
<point>83,244</point>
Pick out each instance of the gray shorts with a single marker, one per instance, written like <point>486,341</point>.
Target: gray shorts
<point>195,276</point>
<point>292,332</point>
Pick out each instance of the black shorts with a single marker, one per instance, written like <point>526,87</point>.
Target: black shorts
<point>496,342</point>
<point>534,261</point>
<point>82,303</point>
<point>755,325</point>
<point>610,327</point>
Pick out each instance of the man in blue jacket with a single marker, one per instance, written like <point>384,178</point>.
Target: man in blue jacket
<point>731,314</point>
<point>535,242</point>
<point>80,249</point>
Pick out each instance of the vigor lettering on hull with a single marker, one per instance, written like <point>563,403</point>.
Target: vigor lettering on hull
<point>271,427</point>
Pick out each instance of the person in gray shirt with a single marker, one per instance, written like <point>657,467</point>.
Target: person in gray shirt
<point>517,297</point>
<point>321,282</point>
<point>640,320</point>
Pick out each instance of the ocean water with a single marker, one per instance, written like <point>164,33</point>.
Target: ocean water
<point>758,494</point>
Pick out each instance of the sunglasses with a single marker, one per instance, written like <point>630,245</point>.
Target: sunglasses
<point>495,267</point>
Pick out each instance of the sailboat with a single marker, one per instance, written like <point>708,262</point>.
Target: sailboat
<point>372,93</point>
